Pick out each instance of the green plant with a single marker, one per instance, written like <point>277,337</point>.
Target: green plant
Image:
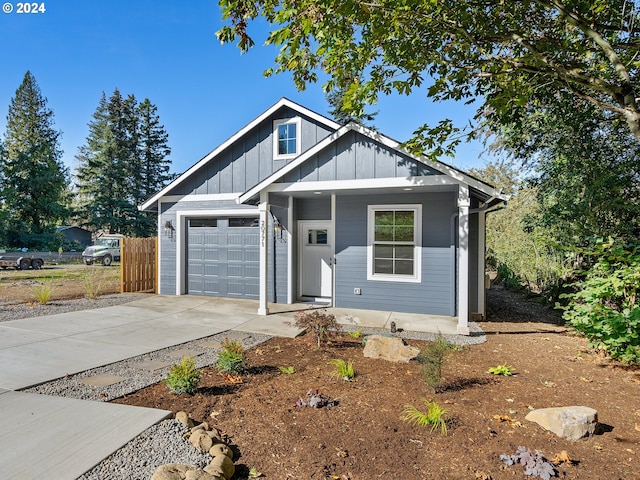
<point>183,377</point>
<point>505,370</point>
<point>342,369</point>
<point>433,357</point>
<point>606,305</point>
<point>318,322</point>
<point>231,357</point>
<point>92,282</point>
<point>356,333</point>
<point>288,370</point>
<point>436,416</point>
<point>42,293</point>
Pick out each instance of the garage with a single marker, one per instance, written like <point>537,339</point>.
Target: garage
<point>223,257</point>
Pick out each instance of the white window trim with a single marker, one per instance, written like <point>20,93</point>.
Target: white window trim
<point>285,121</point>
<point>417,239</point>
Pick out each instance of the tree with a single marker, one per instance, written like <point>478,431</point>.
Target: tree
<point>33,178</point>
<point>586,170</point>
<point>336,98</point>
<point>515,55</point>
<point>123,162</point>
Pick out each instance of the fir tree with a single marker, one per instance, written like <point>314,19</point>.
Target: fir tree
<point>33,178</point>
<point>123,161</point>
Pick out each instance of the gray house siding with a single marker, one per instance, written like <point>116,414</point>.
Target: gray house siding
<point>433,295</point>
<point>249,160</point>
<point>355,157</point>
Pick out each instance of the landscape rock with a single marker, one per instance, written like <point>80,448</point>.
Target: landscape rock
<point>200,474</point>
<point>184,419</point>
<point>392,349</point>
<point>170,471</point>
<point>202,426</point>
<point>221,449</point>
<point>224,464</point>
<point>201,440</point>
<point>571,423</point>
<point>215,436</point>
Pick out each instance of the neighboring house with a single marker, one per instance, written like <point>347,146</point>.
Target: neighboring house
<point>297,207</point>
<point>75,234</point>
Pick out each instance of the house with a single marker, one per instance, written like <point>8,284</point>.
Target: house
<point>75,234</point>
<point>297,207</point>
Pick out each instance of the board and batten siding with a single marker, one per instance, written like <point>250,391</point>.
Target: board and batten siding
<point>434,294</point>
<point>355,157</point>
<point>249,160</point>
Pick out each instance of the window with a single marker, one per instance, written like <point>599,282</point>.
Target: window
<point>203,222</point>
<point>394,242</point>
<point>243,222</point>
<point>286,138</point>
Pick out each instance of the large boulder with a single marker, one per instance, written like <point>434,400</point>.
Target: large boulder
<point>392,349</point>
<point>201,440</point>
<point>571,423</point>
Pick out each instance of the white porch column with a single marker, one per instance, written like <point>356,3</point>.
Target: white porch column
<point>263,209</point>
<point>463,260</point>
<point>482,241</point>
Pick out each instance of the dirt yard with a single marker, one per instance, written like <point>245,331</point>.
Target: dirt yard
<point>364,436</point>
<point>66,281</point>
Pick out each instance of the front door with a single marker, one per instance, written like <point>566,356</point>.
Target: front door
<point>316,253</point>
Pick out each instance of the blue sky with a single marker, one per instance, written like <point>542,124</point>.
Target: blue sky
<point>167,51</point>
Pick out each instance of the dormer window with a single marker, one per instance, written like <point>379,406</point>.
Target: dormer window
<point>286,138</point>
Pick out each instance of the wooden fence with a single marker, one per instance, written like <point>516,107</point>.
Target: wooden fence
<point>139,265</point>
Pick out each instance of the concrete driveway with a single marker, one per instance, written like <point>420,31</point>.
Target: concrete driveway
<point>46,437</point>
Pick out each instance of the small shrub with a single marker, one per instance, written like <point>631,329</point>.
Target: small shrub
<point>92,282</point>
<point>183,377</point>
<point>288,370</point>
<point>317,322</point>
<point>433,357</point>
<point>342,369</point>
<point>606,305</point>
<point>42,293</point>
<point>505,370</point>
<point>355,334</point>
<point>534,463</point>
<point>436,416</point>
<point>231,357</point>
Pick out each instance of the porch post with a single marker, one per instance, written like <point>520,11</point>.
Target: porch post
<point>482,239</point>
<point>263,209</point>
<point>463,259</point>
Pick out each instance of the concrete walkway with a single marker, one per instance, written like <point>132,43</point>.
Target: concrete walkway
<point>61,438</point>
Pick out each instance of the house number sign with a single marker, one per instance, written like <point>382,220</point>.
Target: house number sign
<point>263,233</point>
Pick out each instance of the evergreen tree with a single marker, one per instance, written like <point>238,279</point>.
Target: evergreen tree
<point>341,110</point>
<point>34,180</point>
<point>122,163</point>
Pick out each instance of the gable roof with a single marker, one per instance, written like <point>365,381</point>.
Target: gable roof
<point>493,195</point>
<point>283,102</point>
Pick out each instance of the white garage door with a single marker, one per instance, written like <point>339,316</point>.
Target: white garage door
<point>223,257</point>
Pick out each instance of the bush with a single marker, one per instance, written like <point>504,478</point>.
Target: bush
<point>605,307</point>
<point>231,357</point>
<point>433,357</point>
<point>318,322</point>
<point>183,377</point>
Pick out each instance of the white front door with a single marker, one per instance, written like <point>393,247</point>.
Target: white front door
<point>316,253</point>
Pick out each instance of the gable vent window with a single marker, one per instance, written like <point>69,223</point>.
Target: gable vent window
<point>286,138</point>
<point>394,243</point>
